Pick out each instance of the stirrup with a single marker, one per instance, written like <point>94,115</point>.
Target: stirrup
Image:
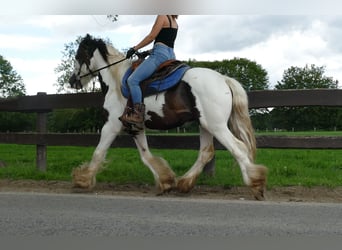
<point>131,128</point>
<point>132,124</point>
<point>126,112</point>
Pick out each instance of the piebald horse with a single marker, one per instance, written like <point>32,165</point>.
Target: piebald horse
<point>216,102</point>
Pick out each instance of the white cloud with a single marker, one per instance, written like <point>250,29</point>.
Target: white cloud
<point>280,51</point>
<point>38,75</point>
<point>33,44</point>
<point>22,42</point>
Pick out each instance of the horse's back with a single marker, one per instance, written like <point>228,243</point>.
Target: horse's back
<point>205,78</point>
<point>208,83</point>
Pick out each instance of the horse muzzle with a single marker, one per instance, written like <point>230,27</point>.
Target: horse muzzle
<point>75,83</point>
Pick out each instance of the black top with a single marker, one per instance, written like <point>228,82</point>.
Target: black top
<point>167,36</point>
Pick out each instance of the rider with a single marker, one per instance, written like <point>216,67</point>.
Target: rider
<point>163,33</point>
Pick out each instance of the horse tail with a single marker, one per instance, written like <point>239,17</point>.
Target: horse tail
<point>239,121</point>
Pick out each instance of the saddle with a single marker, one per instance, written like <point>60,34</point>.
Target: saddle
<point>167,75</point>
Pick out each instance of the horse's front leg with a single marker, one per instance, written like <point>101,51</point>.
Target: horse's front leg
<point>164,177</point>
<point>85,175</point>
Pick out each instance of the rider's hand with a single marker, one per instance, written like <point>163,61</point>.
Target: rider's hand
<point>130,53</point>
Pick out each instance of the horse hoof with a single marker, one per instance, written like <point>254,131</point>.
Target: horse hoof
<point>258,188</point>
<point>165,187</point>
<point>258,181</point>
<point>184,185</point>
<point>83,178</point>
<point>258,193</point>
<point>162,191</point>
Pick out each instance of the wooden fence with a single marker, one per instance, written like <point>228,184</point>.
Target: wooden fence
<point>42,104</point>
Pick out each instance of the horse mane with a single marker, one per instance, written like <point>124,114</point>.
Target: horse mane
<point>88,45</point>
<point>113,51</point>
<point>109,54</point>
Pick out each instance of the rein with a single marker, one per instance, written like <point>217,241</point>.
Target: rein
<point>109,65</point>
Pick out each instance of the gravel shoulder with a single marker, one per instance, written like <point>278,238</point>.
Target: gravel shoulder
<point>276,194</point>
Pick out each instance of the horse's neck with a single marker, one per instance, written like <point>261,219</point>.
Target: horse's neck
<point>112,75</point>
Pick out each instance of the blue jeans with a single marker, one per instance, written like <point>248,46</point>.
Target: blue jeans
<point>160,53</point>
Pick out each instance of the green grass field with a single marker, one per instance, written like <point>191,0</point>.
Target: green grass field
<point>286,167</point>
<point>301,133</point>
<point>270,132</point>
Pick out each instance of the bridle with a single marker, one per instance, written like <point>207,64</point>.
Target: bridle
<point>140,55</point>
<point>98,70</point>
<point>93,73</point>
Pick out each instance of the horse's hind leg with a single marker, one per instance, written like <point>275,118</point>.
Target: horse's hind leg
<point>253,175</point>
<point>209,168</point>
<point>206,154</point>
<point>164,177</point>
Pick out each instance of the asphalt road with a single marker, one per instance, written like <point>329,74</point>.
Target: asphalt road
<point>37,214</point>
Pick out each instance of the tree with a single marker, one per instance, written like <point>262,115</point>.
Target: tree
<point>76,120</point>
<point>65,69</point>
<point>11,83</point>
<point>309,77</point>
<point>306,118</point>
<point>17,122</point>
<point>250,74</point>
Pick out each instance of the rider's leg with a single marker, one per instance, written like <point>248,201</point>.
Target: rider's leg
<point>160,54</point>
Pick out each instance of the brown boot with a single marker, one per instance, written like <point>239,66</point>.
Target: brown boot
<point>135,117</point>
<point>128,110</point>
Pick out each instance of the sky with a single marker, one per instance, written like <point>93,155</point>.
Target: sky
<point>33,43</point>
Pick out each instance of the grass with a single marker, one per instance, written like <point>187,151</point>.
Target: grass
<point>259,132</point>
<point>286,167</point>
<point>300,133</point>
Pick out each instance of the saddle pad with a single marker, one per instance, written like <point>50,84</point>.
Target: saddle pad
<point>156,86</point>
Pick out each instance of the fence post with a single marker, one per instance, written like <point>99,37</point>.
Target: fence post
<point>41,126</point>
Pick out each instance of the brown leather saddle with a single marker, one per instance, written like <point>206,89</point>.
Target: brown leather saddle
<point>158,81</point>
<point>163,71</point>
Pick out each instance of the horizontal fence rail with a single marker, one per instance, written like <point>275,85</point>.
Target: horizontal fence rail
<point>43,104</point>
<point>257,99</point>
<point>295,98</point>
